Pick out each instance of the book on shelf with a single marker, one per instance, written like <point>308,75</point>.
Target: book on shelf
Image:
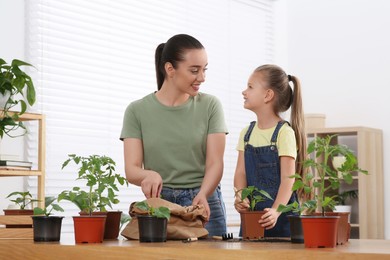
<point>16,168</point>
<point>11,157</point>
<point>15,163</point>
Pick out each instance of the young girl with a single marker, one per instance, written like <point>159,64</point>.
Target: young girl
<point>270,149</point>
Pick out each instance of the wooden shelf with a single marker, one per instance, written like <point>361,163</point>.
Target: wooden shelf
<point>26,233</point>
<point>366,142</point>
<point>10,173</point>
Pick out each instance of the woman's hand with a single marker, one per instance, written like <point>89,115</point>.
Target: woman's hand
<point>269,219</point>
<point>151,185</point>
<point>201,199</point>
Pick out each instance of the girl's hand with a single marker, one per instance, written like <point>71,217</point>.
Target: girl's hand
<point>239,204</point>
<point>269,219</point>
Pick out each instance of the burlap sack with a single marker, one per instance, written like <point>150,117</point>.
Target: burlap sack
<point>185,222</point>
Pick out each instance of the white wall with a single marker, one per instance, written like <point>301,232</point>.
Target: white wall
<point>340,51</point>
<point>11,47</point>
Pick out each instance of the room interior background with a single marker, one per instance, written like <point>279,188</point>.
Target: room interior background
<point>339,50</point>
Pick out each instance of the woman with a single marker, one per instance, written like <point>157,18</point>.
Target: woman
<point>174,138</point>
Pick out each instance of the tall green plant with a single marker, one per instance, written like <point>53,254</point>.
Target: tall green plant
<point>101,180</point>
<point>323,151</point>
<point>18,88</point>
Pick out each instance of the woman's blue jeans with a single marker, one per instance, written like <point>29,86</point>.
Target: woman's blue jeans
<point>217,222</point>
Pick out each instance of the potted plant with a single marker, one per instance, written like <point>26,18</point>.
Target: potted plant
<point>16,87</point>
<point>296,229</point>
<point>250,227</point>
<point>46,226</point>
<point>88,227</point>
<point>153,224</point>
<point>23,203</point>
<point>101,180</point>
<point>323,149</point>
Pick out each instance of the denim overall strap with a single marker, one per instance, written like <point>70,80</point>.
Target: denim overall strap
<point>262,167</point>
<point>249,131</point>
<point>276,132</point>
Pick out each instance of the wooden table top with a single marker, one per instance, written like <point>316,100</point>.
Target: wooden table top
<point>356,249</point>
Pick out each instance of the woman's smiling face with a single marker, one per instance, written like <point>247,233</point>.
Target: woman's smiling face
<point>191,72</point>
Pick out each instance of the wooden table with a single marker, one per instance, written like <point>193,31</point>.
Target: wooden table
<point>204,249</point>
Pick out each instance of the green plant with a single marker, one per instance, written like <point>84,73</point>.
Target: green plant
<point>343,196</point>
<point>160,212</point>
<point>49,207</point>
<point>125,218</point>
<point>85,201</point>
<point>323,150</point>
<point>99,173</point>
<point>17,87</point>
<point>25,198</point>
<point>254,195</point>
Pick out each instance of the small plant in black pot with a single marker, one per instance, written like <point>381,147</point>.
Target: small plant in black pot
<point>153,224</point>
<point>46,226</point>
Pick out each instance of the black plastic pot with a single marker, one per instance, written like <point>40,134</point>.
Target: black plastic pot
<point>296,229</point>
<point>152,229</point>
<point>47,228</point>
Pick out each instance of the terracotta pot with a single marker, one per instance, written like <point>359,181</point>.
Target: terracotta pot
<point>152,229</point>
<point>89,229</point>
<point>320,231</point>
<point>47,228</point>
<point>296,229</point>
<point>251,229</point>
<point>113,221</point>
<point>24,212</point>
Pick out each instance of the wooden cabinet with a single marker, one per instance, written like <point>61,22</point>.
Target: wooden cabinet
<point>367,217</point>
<point>39,172</point>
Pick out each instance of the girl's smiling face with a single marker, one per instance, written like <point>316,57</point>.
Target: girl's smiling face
<point>256,92</point>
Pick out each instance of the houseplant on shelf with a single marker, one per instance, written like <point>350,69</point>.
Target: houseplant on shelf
<point>16,88</point>
<point>47,227</point>
<point>250,227</point>
<point>153,224</point>
<point>326,179</point>
<point>341,201</point>
<point>101,180</point>
<point>23,204</point>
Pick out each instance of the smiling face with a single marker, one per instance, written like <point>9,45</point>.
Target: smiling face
<point>190,73</point>
<point>256,94</point>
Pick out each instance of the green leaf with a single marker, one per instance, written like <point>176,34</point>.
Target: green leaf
<point>143,205</point>
<point>16,63</point>
<point>31,95</point>
<point>162,212</point>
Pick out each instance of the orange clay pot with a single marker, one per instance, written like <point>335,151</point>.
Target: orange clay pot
<point>251,229</point>
<point>320,231</point>
<point>89,229</point>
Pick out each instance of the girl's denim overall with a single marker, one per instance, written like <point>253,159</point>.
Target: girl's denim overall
<point>184,197</point>
<point>262,167</point>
